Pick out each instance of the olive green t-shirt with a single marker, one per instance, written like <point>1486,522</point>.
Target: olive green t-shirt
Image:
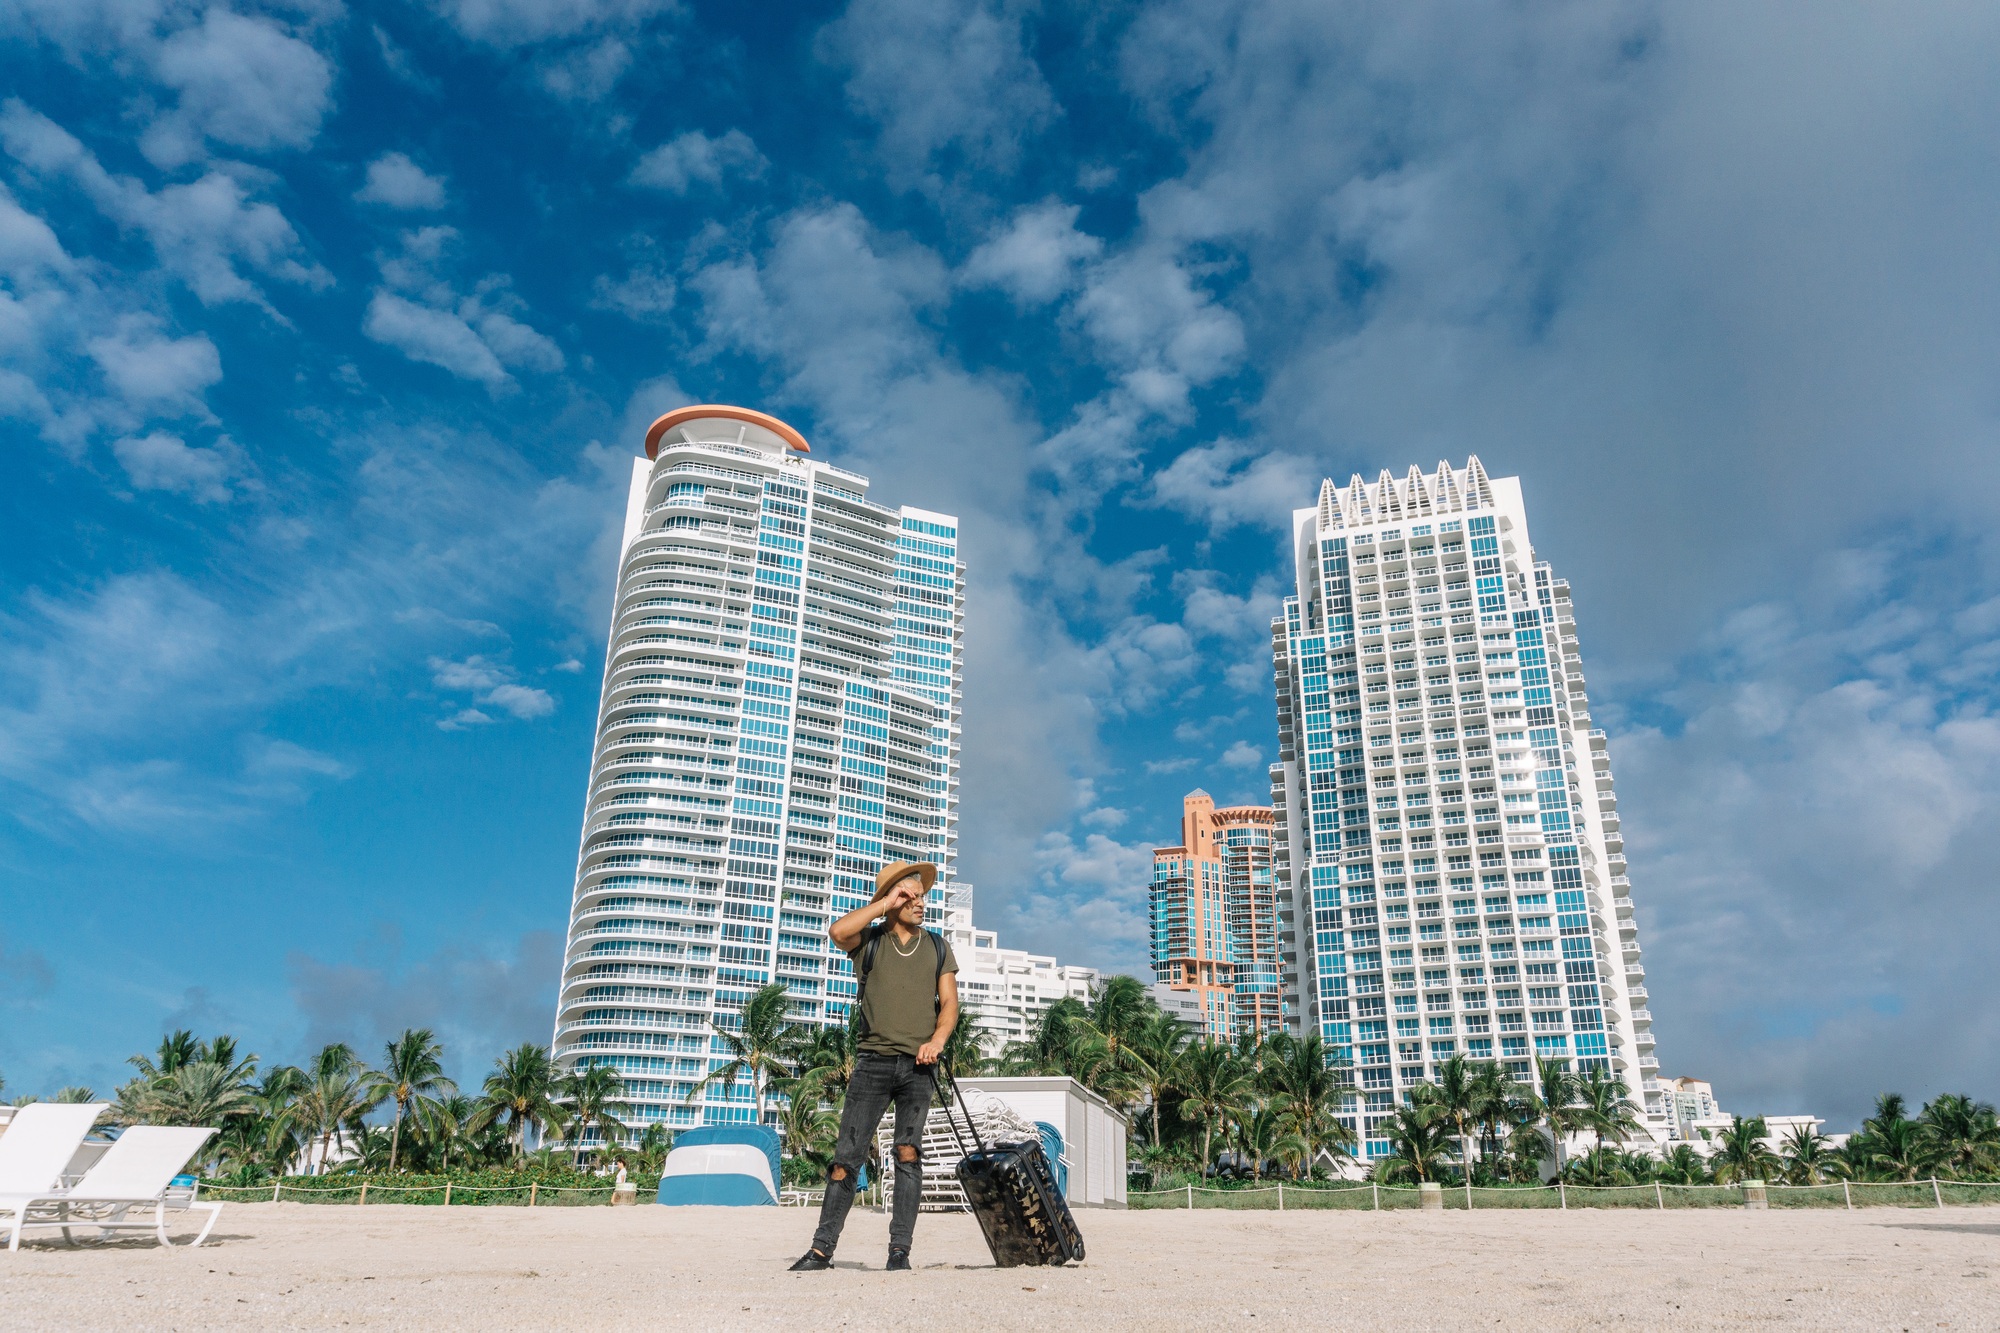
<point>899,1003</point>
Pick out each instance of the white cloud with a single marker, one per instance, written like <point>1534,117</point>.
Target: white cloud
<point>589,72</point>
<point>475,337</point>
<point>510,23</point>
<point>436,337</point>
<point>243,81</point>
<point>1243,755</point>
<point>156,373</point>
<point>494,685</point>
<point>1034,259</point>
<point>1232,482</point>
<point>1148,317</point>
<point>163,462</point>
<point>204,232</point>
<point>642,294</point>
<point>693,157</point>
<point>394,181</point>
<point>942,77</point>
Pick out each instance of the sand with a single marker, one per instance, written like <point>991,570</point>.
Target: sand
<point>298,1265</point>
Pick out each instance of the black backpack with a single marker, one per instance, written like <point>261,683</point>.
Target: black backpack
<point>866,964</point>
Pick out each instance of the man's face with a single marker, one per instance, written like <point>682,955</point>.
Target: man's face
<point>911,913</point>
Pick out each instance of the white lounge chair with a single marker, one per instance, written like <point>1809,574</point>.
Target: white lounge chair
<point>134,1173</point>
<point>39,1143</point>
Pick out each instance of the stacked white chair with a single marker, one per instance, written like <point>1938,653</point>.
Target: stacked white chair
<point>128,1188</point>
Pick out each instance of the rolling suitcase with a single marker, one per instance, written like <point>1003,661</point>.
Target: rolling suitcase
<point>1013,1193</point>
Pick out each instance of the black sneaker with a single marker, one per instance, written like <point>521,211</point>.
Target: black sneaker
<point>899,1262</point>
<point>814,1262</point>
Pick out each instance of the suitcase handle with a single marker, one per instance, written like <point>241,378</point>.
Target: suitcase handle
<point>944,1066</point>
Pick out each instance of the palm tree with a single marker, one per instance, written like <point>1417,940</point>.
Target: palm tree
<point>1265,1135</point>
<point>1049,1049</point>
<point>175,1049</point>
<point>763,1044</point>
<point>1742,1154</point>
<point>1601,1166</point>
<point>1420,1135</point>
<point>1214,1085</point>
<point>807,1129</point>
<point>1458,1098</point>
<point>590,1094</point>
<point>1156,1051</point>
<point>1555,1103</point>
<point>648,1152</point>
<point>412,1076</point>
<point>823,1066</point>
<point>333,1098</point>
<point>1100,1039</point>
<point>1809,1158</point>
<point>962,1051</point>
<point>196,1094</point>
<point>1894,1149</point>
<point>447,1125</point>
<point>77,1095</point>
<point>1494,1100</point>
<point>1961,1136</point>
<point>221,1051</point>
<point>1681,1166</point>
<point>1605,1106</point>
<point>1307,1092</point>
<point>520,1092</point>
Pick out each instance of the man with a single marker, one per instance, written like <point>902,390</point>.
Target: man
<point>907,1003</point>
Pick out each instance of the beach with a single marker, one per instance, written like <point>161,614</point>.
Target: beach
<point>300,1265</point>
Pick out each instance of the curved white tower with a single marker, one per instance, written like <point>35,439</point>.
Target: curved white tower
<point>780,716</point>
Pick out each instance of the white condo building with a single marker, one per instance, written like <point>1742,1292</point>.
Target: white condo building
<point>1448,835</point>
<point>1006,990</point>
<point>779,718</point>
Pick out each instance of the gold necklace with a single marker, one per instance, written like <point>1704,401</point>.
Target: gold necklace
<point>901,952</point>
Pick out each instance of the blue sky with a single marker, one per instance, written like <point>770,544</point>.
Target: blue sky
<point>326,332</point>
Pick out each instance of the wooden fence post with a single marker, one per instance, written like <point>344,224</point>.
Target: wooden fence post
<point>1662,1193</point>
<point>276,1185</point>
<point>1281,1196</point>
<point>1190,1190</point>
<point>1847,1192</point>
<point>1562,1195</point>
<point>447,1194</point>
<point>533,1185</point>
<point>364,1194</point>
<point>1937,1193</point>
<point>1378,1195</point>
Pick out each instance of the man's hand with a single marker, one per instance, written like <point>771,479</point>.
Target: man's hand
<point>928,1053</point>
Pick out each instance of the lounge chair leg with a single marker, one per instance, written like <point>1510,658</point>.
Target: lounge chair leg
<point>214,1211</point>
<point>160,1223</point>
<point>20,1216</point>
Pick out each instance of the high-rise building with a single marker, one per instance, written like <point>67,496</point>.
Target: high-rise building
<point>779,718</point>
<point>1214,918</point>
<point>1447,827</point>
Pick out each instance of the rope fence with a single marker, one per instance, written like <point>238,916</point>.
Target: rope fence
<point>449,1194</point>
<point>1291,1196</point>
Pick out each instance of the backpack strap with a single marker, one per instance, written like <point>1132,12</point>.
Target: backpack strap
<point>937,980</point>
<point>863,965</point>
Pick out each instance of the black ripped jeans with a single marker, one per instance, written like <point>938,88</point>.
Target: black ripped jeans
<point>879,1080</point>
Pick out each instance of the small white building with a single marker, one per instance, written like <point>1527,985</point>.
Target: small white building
<point>1093,1132</point>
<point>1008,990</point>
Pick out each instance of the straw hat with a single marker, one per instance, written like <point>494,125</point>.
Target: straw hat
<point>893,873</point>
